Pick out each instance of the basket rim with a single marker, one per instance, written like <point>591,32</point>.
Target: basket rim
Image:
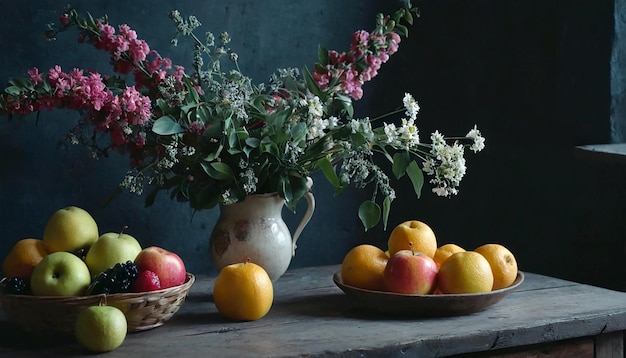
<point>189,280</point>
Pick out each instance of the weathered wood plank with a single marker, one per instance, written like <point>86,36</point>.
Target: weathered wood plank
<point>314,318</point>
<point>577,348</point>
<point>610,345</point>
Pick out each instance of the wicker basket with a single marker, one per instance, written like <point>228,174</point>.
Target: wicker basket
<point>55,315</point>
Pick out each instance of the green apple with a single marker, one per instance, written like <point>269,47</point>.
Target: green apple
<point>109,249</point>
<point>70,229</point>
<point>60,274</point>
<point>100,328</point>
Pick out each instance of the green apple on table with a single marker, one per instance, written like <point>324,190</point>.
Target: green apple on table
<point>100,328</point>
<point>70,229</point>
<point>60,274</point>
<point>109,249</point>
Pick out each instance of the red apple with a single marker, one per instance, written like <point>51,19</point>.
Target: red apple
<point>168,266</point>
<point>410,272</point>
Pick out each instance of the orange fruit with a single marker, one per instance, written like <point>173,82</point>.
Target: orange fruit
<point>364,267</point>
<point>465,272</point>
<point>444,251</point>
<point>243,292</point>
<point>420,235</point>
<point>502,262</point>
<point>23,257</point>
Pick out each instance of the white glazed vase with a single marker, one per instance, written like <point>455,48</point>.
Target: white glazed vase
<point>254,229</point>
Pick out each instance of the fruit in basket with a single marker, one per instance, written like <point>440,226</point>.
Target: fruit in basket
<point>70,229</point>
<point>100,328</point>
<point>364,267</point>
<point>243,292</point>
<point>410,272</point>
<point>444,251</point>
<point>116,279</point>
<point>502,262</point>
<point>166,264</point>
<point>146,281</point>
<point>417,233</point>
<point>60,274</point>
<point>23,257</point>
<point>109,249</point>
<point>15,286</point>
<point>465,272</point>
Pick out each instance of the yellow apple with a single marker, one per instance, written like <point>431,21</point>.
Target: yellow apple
<point>109,249</point>
<point>70,229</point>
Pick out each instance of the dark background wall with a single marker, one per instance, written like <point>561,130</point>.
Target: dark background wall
<point>534,75</point>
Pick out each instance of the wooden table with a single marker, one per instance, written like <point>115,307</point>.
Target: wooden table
<point>312,317</point>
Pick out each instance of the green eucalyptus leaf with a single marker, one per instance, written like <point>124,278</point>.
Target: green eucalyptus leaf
<point>218,170</point>
<point>298,131</point>
<point>322,55</point>
<point>329,172</point>
<point>386,210</point>
<point>253,142</point>
<point>21,82</point>
<point>13,90</point>
<point>400,163</point>
<point>369,213</point>
<point>408,17</point>
<point>403,30</point>
<point>346,104</point>
<point>232,139</point>
<point>166,125</point>
<point>191,90</point>
<point>417,177</point>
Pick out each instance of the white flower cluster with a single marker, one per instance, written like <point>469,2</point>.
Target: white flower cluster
<point>236,94</point>
<point>360,171</point>
<point>479,140</point>
<point>447,162</point>
<point>133,181</point>
<point>407,136</point>
<point>317,123</point>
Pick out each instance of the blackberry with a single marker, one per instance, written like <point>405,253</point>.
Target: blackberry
<point>15,286</point>
<point>116,279</point>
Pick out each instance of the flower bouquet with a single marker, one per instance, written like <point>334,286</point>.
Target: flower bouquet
<point>211,136</point>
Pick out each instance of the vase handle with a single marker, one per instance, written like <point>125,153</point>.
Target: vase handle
<point>310,199</point>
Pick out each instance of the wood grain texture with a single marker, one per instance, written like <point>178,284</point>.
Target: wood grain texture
<point>312,317</point>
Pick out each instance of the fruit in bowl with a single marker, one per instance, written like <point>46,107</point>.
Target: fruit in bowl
<point>109,249</point>
<point>60,274</point>
<point>63,278</point>
<point>23,257</point>
<point>116,279</point>
<point>146,281</point>
<point>410,272</point>
<point>70,229</point>
<point>364,267</point>
<point>168,266</point>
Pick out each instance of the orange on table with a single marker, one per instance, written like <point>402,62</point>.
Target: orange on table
<point>444,251</point>
<point>23,257</point>
<point>364,267</point>
<point>419,234</point>
<point>465,272</point>
<point>502,262</point>
<point>243,292</point>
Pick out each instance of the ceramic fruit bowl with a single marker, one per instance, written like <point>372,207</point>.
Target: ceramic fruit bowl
<point>427,305</point>
<point>56,315</point>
